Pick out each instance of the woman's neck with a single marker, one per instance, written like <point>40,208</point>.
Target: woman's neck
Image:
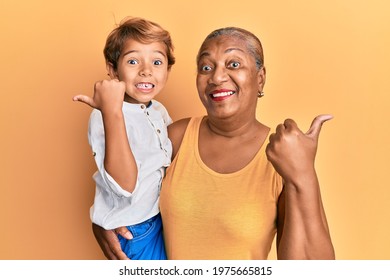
<point>232,127</point>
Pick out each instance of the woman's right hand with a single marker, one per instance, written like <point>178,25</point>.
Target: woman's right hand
<point>109,242</point>
<point>292,152</point>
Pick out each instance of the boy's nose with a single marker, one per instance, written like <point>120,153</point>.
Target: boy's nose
<point>146,71</point>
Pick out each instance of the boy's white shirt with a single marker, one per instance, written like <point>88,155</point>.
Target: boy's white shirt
<point>146,129</point>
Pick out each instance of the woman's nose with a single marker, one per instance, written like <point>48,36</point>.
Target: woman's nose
<point>219,75</point>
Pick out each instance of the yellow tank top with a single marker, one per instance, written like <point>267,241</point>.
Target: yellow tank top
<point>207,215</point>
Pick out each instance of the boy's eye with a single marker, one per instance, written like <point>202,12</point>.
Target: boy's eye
<point>132,61</point>
<point>157,62</point>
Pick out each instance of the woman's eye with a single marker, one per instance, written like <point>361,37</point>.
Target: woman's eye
<point>132,61</point>
<point>235,64</point>
<point>157,62</point>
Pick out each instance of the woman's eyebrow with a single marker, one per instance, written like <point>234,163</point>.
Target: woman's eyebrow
<point>206,53</point>
<point>202,54</point>
<point>234,49</point>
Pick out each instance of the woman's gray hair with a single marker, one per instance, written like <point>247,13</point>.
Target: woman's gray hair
<point>253,43</point>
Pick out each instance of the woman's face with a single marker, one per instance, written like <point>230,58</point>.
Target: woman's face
<point>227,80</point>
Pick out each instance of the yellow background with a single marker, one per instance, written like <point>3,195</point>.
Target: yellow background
<point>321,56</point>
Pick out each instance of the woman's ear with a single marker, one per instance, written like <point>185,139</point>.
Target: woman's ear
<point>111,71</point>
<point>261,77</point>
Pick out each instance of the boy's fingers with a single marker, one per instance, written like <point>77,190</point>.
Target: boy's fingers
<point>85,99</point>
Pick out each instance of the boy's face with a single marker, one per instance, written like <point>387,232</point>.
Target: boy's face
<point>144,69</point>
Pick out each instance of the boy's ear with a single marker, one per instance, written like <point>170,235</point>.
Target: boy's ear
<point>111,71</point>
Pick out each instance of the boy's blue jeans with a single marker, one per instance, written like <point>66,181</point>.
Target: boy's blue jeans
<point>147,242</point>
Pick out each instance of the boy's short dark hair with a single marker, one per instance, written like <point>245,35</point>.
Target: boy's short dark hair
<point>141,30</point>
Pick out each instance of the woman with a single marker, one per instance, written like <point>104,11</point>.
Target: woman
<point>233,184</point>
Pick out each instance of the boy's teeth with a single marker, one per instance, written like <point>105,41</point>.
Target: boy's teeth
<point>220,94</point>
<point>144,86</point>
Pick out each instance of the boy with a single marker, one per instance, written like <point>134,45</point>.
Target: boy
<point>131,165</point>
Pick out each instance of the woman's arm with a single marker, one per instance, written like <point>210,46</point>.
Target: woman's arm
<point>302,227</point>
<point>176,133</point>
<point>109,242</point>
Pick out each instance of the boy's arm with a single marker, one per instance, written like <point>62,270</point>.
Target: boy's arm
<point>119,160</point>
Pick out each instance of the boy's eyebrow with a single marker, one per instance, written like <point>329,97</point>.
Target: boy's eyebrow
<point>135,51</point>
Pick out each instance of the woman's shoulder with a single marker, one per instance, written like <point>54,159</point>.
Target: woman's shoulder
<point>180,124</point>
<point>177,130</point>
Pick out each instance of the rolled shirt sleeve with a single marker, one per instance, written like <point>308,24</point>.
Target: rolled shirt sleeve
<point>146,128</point>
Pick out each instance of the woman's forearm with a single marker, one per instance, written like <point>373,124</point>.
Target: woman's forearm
<point>304,229</point>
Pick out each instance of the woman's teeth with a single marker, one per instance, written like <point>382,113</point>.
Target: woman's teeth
<point>221,94</point>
